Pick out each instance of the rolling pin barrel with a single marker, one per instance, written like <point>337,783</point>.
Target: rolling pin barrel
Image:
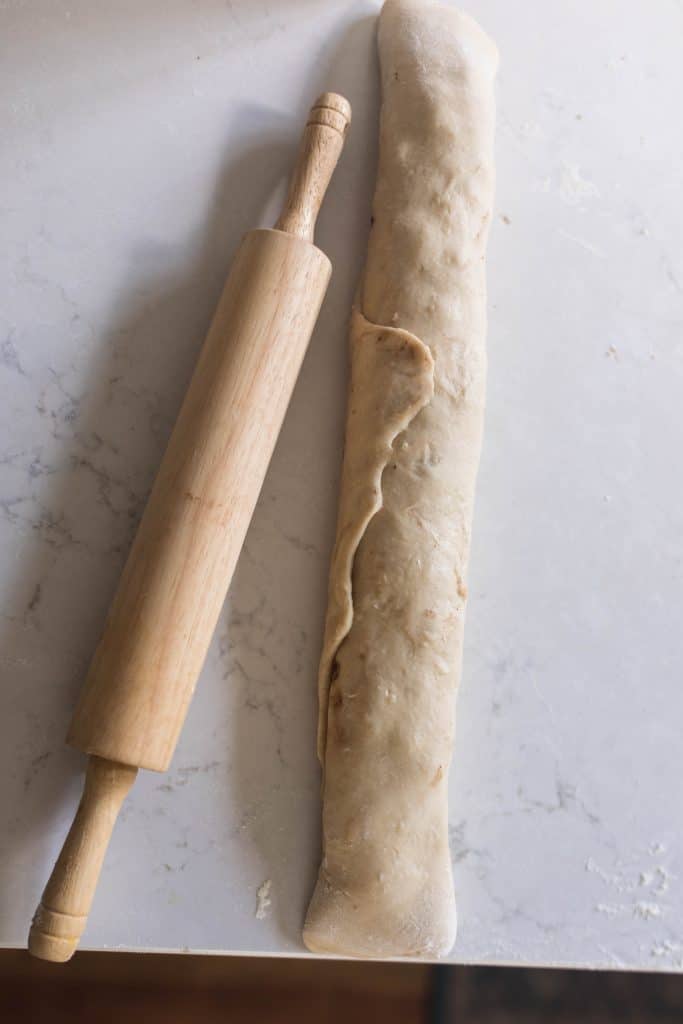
<point>179,569</point>
<point>174,584</point>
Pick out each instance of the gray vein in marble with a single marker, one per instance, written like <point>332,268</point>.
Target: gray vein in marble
<point>9,357</point>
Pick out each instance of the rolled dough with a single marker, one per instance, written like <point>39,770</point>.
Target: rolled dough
<point>393,638</point>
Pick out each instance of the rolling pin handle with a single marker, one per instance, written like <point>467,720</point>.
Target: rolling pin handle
<point>321,145</point>
<point>63,911</point>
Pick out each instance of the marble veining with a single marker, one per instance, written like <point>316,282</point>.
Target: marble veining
<point>138,146</point>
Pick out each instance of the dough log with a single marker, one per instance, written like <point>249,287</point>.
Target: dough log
<point>393,638</point>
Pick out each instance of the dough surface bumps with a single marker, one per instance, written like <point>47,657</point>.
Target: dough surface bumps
<point>392,650</point>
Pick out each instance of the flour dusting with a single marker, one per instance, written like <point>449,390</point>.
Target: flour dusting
<point>263,900</point>
<point>634,882</point>
<point>671,951</point>
<point>645,909</point>
<point>663,879</point>
<point>611,909</point>
<point>574,188</point>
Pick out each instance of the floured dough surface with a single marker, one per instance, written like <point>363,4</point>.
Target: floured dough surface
<point>393,639</point>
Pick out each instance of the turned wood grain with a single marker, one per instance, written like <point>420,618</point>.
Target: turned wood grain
<point>173,586</point>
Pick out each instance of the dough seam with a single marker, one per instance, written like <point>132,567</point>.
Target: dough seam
<point>351,532</point>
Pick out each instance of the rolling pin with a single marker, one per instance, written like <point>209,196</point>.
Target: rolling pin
<point>175,580</point>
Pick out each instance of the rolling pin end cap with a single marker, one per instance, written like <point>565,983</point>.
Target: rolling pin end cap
<point>50,947</point>
<point>54,936</point>
<point>332,111</point>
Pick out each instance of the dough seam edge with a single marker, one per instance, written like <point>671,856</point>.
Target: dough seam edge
<point>329,653</point>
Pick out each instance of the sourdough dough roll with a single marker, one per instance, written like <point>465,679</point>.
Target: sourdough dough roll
<point>393,638</point>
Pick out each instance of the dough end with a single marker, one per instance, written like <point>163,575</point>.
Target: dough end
<point>336,926</point>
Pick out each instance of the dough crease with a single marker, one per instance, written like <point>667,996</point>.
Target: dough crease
<point>392,379</point>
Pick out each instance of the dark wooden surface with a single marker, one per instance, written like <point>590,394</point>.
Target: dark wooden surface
<point>485,995</point>
<point>99,988</point>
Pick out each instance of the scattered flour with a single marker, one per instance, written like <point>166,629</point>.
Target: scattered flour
<point>611,909</point>
<point>645,909</point>
<point>263,900</point>
<point>654,880</point>
<point>616,880</point>
<point>672,951</point>
<point>574,188</point>
<point>664,878</point>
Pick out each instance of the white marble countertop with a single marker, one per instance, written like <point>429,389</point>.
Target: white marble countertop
<point>140,140</point>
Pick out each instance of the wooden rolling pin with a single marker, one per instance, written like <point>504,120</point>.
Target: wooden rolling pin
<point>179,569</point>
